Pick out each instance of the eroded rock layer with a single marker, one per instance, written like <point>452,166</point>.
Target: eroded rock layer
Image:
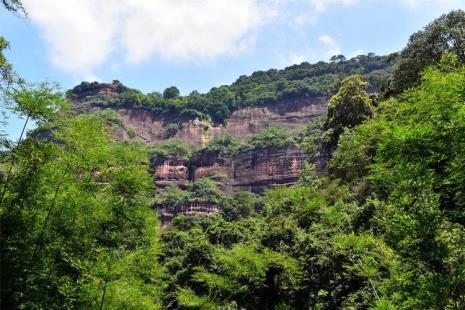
<point>170,170</point>
<point>245,171</point>
<point>148,127</point>
<point>252,171</point>
<point>187,209</point>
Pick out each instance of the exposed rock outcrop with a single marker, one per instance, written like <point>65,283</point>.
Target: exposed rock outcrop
<point>256,171</point>
<point>97,89</point>
<point>252,171</point>
<point>293,115</point>
<point>187,209</point>
<point>170,170</point>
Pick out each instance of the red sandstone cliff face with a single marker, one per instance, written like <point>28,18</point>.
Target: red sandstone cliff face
<point>171,170</point>
<point>257,170</point>
<point>188,209</point>
<point>151,128</point>
<point>252,171</point>
<point>293,115</point>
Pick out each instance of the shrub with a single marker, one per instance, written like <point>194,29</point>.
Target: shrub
<point>171,130</point>
<point>131,132</point>
<point>110,117</point>
<point>170,148</point>
<point>272,137</point>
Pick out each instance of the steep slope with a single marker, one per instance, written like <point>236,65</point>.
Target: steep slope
<point>253,171</point>
<point>152,128</point>
<point>288,98</point>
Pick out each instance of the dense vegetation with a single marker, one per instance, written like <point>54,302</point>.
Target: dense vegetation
<point>426,47</point>
<point>76,216</point>
<point>382,228</point>
<point>203,190</point>
<point>262,87</point>
<point>349,107</point>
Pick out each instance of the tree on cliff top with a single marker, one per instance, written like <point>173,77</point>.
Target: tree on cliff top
<point>171,92</point>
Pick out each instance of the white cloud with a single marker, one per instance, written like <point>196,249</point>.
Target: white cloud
<point>321,5</point>
<point>330,47</point>
<point>181,30</point>
<point>81,34</point>
<point>445,4</point>
<point>325,48</point>
<point>78,33</point>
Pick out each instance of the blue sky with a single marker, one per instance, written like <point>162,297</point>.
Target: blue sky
<point>199,44</point>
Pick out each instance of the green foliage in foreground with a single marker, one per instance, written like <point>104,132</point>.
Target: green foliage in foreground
<point>77,230</point>
<point>5,66</point>
<point>383,230</point>
<point>412,161</point>
<point>14,6</point>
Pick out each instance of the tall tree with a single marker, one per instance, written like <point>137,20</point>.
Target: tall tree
<point>76,218</point>
<point>171,92</point>
<point>412,157</point>
<point>5,66</point>
<point>349,107</point>
<point>426,47</point>
<point>6,69</point>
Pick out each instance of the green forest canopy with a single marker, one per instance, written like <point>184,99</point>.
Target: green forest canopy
<point>383,230</point>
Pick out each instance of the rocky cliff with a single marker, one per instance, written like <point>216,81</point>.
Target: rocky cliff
<point>252,171</point>
<point>152,128</point>
<point>170,170</point>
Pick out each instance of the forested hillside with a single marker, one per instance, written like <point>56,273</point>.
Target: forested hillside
<point>383,230</point>
<point>262,87</point>
<point>375,219</point>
